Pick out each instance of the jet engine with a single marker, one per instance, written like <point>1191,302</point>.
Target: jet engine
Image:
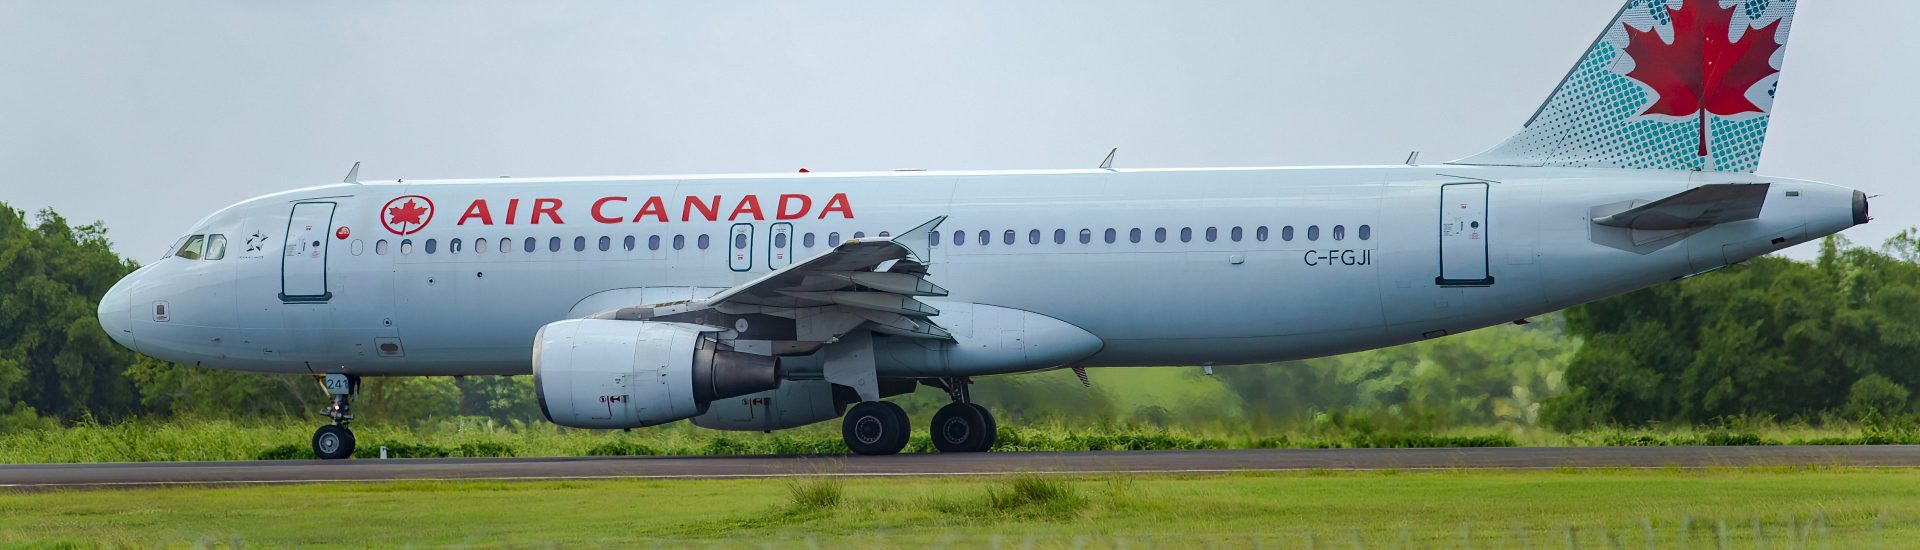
<point>595,373</point>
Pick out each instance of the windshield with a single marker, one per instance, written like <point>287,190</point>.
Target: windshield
<point>193,248</point>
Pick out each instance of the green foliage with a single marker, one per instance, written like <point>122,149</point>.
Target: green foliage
<point>812,494</point>
<point>1877,394</point>
<point>621,448</point>
<point>1770,338</point>
<point>54,358</point>
<point>167,388</point>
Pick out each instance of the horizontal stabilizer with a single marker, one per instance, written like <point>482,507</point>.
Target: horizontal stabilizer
<point>1701,206</point>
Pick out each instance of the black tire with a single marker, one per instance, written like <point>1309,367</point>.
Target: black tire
<point>959,428</point>
<point>875,428</point>
<point>993,427</point>
<point>332,442</point>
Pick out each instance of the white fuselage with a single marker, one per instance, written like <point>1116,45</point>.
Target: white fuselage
<point>1256,265</point>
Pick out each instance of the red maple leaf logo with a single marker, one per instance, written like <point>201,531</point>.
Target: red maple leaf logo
<point>405,213</point>
<point>1702,71</point>
<point>410,216</point>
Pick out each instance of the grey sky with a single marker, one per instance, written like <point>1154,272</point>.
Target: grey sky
<point>150,115</point>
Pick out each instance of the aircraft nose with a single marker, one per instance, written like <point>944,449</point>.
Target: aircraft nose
<point>116,310</point>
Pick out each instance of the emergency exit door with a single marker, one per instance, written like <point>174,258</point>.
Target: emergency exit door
<point>303,259</point>
<point>780,246</point>
<point>740,247</point>
<point>1463,235</point>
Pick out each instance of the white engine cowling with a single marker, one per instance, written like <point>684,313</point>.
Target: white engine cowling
<point>795,403</point>
<point>595,373</point>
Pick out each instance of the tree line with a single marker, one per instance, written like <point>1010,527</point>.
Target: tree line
<point>1834,338</point>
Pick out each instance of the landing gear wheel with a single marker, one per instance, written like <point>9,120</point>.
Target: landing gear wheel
<point>875,428</point>
<point>333,442</point>
<point>960,428</point>
<point>993,428</point>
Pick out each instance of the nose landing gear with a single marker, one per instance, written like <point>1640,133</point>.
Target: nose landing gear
<point>335,441</point>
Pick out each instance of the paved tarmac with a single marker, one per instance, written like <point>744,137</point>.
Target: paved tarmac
<point>29,476</point>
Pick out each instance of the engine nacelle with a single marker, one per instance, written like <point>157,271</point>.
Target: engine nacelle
<point>594,373</point>
<point>795,403</point>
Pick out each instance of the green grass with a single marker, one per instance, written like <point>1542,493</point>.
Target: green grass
<point>1773,507</point>
<point>190,439</point>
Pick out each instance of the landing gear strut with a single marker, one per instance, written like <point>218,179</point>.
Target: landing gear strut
<point>962,426</point>
<point>334,441</point>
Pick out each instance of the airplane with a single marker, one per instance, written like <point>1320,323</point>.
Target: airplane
<point>772,301</point>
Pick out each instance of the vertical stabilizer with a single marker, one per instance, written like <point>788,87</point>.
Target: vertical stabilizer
<point>1669,84</point>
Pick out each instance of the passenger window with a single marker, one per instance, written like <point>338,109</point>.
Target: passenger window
<point>1213,234</point>
<point>1086,236</point>
<point>194,248</point>
<point>216,246</point>
<point>1234,234</point>
<point>807,241</point>
<point>453,246</point>
<point>859,234</point>
<point>1033,236</point>
<point>627,244</point>
<point>1133,235</point>
<point>884,235</point>
<point>833,239</point>
<point>1112,235</point>
<point>406,247</point>
<point>1059,236</point>
<point>1313,232</point>
<point>480,246</point>
<point>1186,234</point>
<point>579,244</point>
<point>679,242</point>
<point>1160,235</point>
<point>1366,232</point>
<point>506,245</point>
<point>986,237</point>
<point>959,237</point>
<point>740,241</point>
<point>653,242</point>
<point>529,245</point>
<point>1339,232</point>
<point>1007,237</point>
<point>704,240</point>
<point>432,245</point>
<point>553,244</point>
<point>1286,233</point>
<point>933,238</point>
<point>1260,233</point>
<point>779,240</point>
<point>605,243</point>
<point>380,247</point>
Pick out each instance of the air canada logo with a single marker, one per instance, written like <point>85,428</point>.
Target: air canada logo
<point>406,215</point>
<point>1704,69</point>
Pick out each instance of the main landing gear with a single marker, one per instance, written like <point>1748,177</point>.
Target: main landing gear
<point>334,441</point>
<point>962,426</point>
<point>882,428</point>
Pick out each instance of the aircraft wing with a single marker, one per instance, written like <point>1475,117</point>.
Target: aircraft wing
<point>876,279</point>
<point>1702,206</point>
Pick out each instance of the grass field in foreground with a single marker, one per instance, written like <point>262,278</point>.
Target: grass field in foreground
<point>1778,508</point>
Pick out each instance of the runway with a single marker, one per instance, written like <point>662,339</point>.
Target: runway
<point>31,476</point>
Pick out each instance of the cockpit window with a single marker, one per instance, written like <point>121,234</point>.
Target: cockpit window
<point>194,247</point>
<point>216,247</point>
